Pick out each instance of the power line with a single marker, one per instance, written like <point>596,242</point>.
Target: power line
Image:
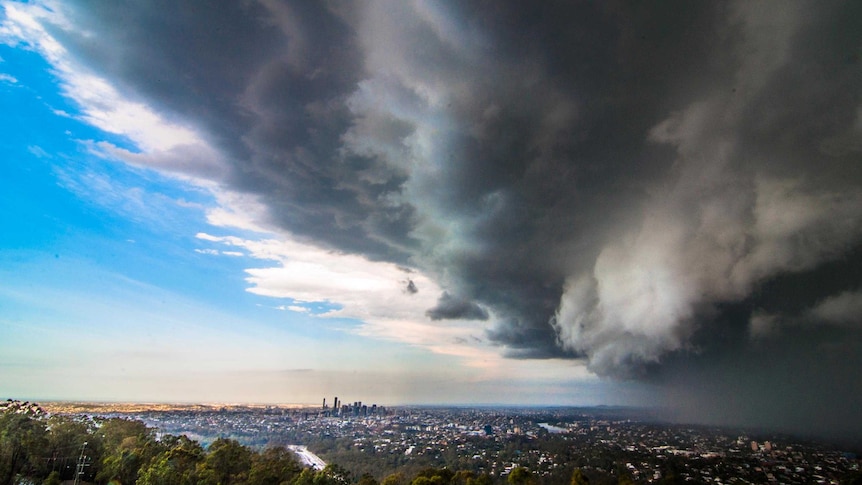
<point>79,470</point>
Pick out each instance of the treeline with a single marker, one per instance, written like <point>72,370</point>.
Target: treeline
<point>39,448</point>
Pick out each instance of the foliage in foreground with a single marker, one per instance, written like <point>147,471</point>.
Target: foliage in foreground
<point>39,448</point>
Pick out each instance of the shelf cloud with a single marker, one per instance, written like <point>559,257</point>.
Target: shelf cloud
<point>656,190</point>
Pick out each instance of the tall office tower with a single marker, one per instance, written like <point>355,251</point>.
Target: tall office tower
<point>324,404</point>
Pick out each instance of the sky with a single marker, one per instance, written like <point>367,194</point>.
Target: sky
<point>568,203</point>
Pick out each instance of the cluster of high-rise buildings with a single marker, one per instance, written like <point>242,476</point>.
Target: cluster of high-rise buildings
<point>339,409</point>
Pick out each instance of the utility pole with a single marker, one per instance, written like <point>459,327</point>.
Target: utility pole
<point>79,470</point>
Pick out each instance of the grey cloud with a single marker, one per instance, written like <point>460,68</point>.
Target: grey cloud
<point>729,217</point>
<point>804,381</point>
<point>843,309</point>
<point>451,308</point>
<point>269,83</point>
<point>629,184</point>
<point>762,325</point>
<point>189,160</point>
<point>411,287</point>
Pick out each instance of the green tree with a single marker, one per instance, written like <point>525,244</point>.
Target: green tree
<point>462,477</point>
<point>66,435</point>
<point>578,478</point>
<point>483,479</point>
<point>175,466</point>
<point>306,477</point>
<point>23,436</point>
<point>434,476</point>
<point>114,431</point>
<point>53,479</point>
<point>394,479</point>
<point>128,446</point>
<point>367,479</point>
<point>332,474</point>
<point>227,462</point>
<point>273,466</point>
<point>520,476</point>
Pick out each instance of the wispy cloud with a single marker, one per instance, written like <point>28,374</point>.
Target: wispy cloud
<point>373,293</point>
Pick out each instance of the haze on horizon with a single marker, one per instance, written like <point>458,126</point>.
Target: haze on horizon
<point>509,202</point>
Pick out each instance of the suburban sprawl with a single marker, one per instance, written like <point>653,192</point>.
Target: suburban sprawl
<point>609,445</point>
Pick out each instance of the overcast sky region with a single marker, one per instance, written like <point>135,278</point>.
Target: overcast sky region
<point>404,201</point>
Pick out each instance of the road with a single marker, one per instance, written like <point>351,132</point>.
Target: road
<point>306,457</point>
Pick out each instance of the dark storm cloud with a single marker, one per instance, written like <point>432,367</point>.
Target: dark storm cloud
<point>626,183</point>
<point>269,82</point>
<point>795,370</point>
<point>450,308</point>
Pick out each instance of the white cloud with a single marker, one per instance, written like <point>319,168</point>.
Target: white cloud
<point>293,308</point>
<point>374,293</point>
<point>122,197</point>
<point>194,162</point>
<point>239,211</point>
<point>216,252</point>
<point>38,151</point>
<point>233,253</point>
<point>7,78</point>
<point>101,104</point>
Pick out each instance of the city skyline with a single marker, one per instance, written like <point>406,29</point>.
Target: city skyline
<point>436,202</point>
